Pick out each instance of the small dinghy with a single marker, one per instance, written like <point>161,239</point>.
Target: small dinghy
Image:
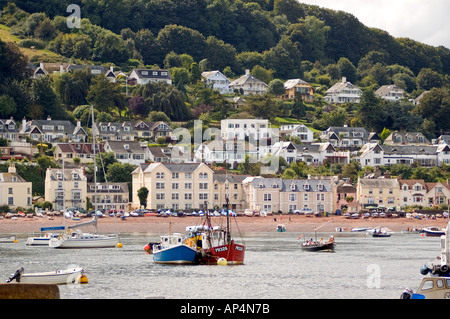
<point>58,277</point>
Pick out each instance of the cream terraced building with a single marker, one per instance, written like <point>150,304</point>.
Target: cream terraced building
<point>274,194</point>
<point>66,188</point>
<point>172,186</point>
<point>15,191</point>
<point>380,192</point>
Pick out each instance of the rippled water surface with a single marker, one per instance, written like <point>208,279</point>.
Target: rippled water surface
<point>275,267</point>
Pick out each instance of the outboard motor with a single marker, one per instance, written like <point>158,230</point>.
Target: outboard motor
<point>406,294</point>
<point>16,275</point>
<point>424,270</point>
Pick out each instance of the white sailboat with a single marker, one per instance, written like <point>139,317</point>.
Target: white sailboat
<point>73,237</point>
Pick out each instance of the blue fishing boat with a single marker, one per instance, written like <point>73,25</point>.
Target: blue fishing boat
<point>174,249</point>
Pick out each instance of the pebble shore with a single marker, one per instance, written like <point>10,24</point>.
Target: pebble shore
<point>242,224</point>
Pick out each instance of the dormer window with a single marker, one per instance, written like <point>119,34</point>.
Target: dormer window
<point>320,186</point>
<point>59,175</point>
<point>293,187</point>
<point>306,186</point>
<point>126,146</point>
<point>261,185</point>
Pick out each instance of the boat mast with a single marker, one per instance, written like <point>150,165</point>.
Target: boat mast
<point>228,220</point>
<point>208,223</point>
<point>94,128</point>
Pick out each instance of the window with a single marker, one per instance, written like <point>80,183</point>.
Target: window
<point>203,196</point>
<point>175,196</point>
<point>267,197</point>
<point>187,185</point>
<point>160,186</point>
<point>10,201</point>
<point>160,196</point>
<point>188,196</point>
<point>175,175</point>
<point>160,175</point>
<point>188,175</point>
<point>203,175</point>
<point>174,185</point>
<point>10,190</point>
<point>292,197</point>
<point>203,185</point>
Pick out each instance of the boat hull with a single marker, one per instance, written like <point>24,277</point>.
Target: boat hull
<point>178,255</point>
<point>58,277</point>
<point>8,240</point>
<point>320,247</point>
<point>85,242</point>
<point>37,241</point>
<point>233,253</point>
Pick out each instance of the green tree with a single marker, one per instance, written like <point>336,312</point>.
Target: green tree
<point>105,95</point>
<point>142,195</point>
<point>385,134</point>
<point>7,106</point>
<point>276,87</point>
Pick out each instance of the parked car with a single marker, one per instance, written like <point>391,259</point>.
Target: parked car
<point>304,211</point>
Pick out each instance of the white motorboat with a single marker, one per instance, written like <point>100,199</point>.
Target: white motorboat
<point>8,239</point>
<point>58,277</point>
<point>360,229</point>
<point>46,234</point>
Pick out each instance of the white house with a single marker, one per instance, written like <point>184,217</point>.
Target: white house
<point>144,76</point>
<point>343,92</point>
<point>298,130</point>
<point>242,128</point>
<point>128,151</point>
<point>249,85</point>
<point>373,154</point>
<point>390,93</point>
<point>346,136</point>
<point>217,81</point>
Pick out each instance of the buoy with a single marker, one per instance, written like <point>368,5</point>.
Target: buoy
<point>16,241</point>
<point>222,262</point>
<point>83,279</point>
<point>119,245</point>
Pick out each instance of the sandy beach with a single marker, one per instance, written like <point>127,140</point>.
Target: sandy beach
<point>242,224</point>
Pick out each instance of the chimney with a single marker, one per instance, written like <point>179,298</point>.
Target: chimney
<point>344,79</point>
<point>78,123</point>
<point>111,68</point>
<point>24,124</point>
<point>12,168</point>
<point>61,68</point>
<point>247,72</point>
<point>49,118</point>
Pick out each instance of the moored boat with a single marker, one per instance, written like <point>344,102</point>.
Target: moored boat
<point>174,249</point>
<point>215,244</point>
<point>281,228</point>
<point>433,231</point>
<point>75,238</point>
<point>58,277</point>
<point>379,232</point>
<point>319,246</point>
<point>8,239</point>
<point>46,234</point>
<point>437,286</point>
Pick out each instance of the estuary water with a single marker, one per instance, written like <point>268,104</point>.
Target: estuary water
<point>275,267</point>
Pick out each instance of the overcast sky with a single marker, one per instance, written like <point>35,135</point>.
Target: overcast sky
<point>427,22</point>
